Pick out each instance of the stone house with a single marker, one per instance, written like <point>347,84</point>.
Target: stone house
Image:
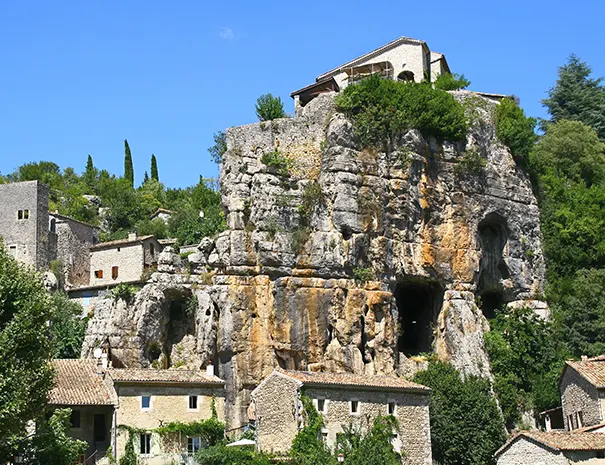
<point>403,59</point>
<point>151,398</point>
<point>582,388</point>
<point>342,398</point>
<point>123,261</point>
<point>553,448</point>
<point>36,237</point>
<point>83,386</point>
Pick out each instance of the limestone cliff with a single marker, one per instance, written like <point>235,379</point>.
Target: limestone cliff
<point>341,258</point>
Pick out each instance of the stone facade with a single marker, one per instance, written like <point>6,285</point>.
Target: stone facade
<point>167,404</point>
<point>524,451</point>
<point>582,402</point>
<point>278,414</point>
<point>24,222</point>
<point>123,261</point>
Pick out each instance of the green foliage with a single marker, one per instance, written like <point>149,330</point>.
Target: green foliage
<point>124,291</point>
<point>382,109</point>
<point>312,197</point>
<point>90,174</point>
<point>219,148</point>
<point>25,374</point>
<point>154,168</point>
<point>364,274</point>
<point>223,455</point>
<point>300,234</point>
<point>371,448</point>
<point>449,81</point>
<point>52,444</point>
<point>210,431</point>
<point>69,326</point>
<point>572,151</point>
<point>577,97</point>
<point>471,163</point>
<point>269,108</point>
<point>129,457</point>
<point>277,162</point>
<point>466,425</point>
<point>515,130</point>
<point>128,167</point>
<point>526,358</point>
<point>307,447</point>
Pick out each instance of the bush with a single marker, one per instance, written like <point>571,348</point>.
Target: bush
<point>449,81</point>
<point>364,274</point>
<point>269,107</point>
<point>471,163</point>
<point>223,455</point>
<point>515,130</point>
<point>277,162</point>
<point>466,424</point>
<point>307,447</point>
<point>219,148</point>
<point>123,291</point>
<point>382,109</point>
<point>372,447</point>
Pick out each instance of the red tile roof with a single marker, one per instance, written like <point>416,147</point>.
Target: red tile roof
<point>153,376</point>
<point>561,440</point>
<point>78,383</point>
<point>593,370</point>
<point>109,244</point>
<point>358,381</point>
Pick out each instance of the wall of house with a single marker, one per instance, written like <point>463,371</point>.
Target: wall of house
<point>168,403</point>
<point>149,257</point>
<point>412,413</point>
<point>577,395</point>
<point>525,452</point>
<point>73,242</point>
<point>26,239</point>
<point>437,68</point>
<point>277,417</point>
<point>128,258</point>
<point>406,57</point>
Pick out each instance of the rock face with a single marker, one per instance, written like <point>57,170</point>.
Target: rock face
<point>340,258</point>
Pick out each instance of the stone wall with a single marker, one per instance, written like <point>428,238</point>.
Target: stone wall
<point>129,259</point>
<point>26,239</point>
<point>526,452</point>
<point>578,395</point>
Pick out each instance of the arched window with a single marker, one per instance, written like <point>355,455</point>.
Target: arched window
<point>53,225</point>
<point>405,76</point>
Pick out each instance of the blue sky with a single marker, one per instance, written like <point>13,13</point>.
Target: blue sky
<point>78,77</point>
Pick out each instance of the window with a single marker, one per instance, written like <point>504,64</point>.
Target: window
<point>74,419</point>
<point>145,443</point>
<point>23,214</point>
<point>145,402</point>
<point>114,272</point>
<point>192,402</point>
<point>570,422</point>
<point>118,249</point>
<point>12,250</point>
<point>391,408</point>
<point>99,427</point>
<point>53,225</point>
<point>324,436</point>
<point>321,405</point>
<point>193,445</point>
<point>354,406</point>
<point>99,274</point>
<point>579,419</point>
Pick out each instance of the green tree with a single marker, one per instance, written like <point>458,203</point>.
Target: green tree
<point>223,455</point>
<point>515,130</point>
<point>307,447</point>
<point>578,97</point>
<point>219,148</point>
<point>90,174</point>
<point>449,81</point>
<point>466,425</point>
<point>154,168</point>
<point>372,447</point>
<point>269,107</point>
<point>128,167</point>
<point>68,328</point>
<point>25,352</point>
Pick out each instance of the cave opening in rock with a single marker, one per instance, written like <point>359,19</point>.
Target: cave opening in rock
<point>418,302</point>
<point>179,307</point>
<point>493,236</point>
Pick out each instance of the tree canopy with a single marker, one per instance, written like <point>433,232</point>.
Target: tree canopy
<point>269,108</point>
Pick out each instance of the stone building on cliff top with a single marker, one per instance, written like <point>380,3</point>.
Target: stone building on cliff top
<point>387,259</point>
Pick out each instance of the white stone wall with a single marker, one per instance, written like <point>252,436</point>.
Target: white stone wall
<point>577,395</point>
<point>128,258</point>
<point>168,404</point>
<point>526,452</point>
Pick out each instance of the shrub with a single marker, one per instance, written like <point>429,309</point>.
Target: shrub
<point>219,148</point>
<point>123,291</point>
<point>312,197</point>
<point>277,162</point>
<point>449,81</point>
<point>515,130</point>
<point>269,107</point>
<point>382,109</point>
<point>470,163</point>
<point>364,274</point>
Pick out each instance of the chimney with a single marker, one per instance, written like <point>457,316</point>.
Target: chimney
<point>104,363</point>
<point>584,358</point>
<point>210,370</point>
<point>132,236</point>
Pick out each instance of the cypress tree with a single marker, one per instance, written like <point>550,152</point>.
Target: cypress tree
<point>90,173</point>
<point>145,178</point>
<point>128,168</point>
<point>154,168</point>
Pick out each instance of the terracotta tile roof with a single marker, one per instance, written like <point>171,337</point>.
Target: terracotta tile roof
<point>593,370</point>
<point>108,244</point>
<point>353,380</point>
<point>562,440</point>
<point>153,376</point>
<point>78,383</point>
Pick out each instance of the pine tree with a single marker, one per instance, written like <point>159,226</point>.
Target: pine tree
<point>145,178</point>
<point>154,168</point>
<point>128,168</point>
<point>577,97</point>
